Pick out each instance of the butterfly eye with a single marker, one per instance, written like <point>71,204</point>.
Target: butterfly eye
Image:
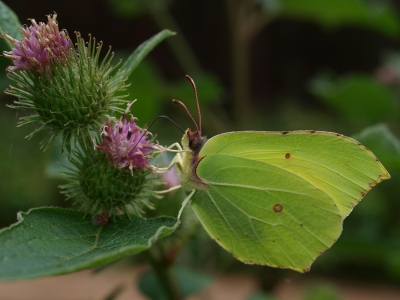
<point>195,144</point>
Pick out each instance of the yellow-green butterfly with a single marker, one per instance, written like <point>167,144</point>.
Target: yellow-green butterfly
<point>275,198</point>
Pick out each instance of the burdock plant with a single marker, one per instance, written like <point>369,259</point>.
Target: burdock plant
<point>66,90</point>
<point>70,92</point>
<point>115,176</point>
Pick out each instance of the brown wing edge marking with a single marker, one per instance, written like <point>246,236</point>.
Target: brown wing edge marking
<point>195,163</point>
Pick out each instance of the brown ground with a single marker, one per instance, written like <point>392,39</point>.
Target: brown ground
<point>85,285</point>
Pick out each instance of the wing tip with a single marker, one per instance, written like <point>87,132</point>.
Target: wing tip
<point>303,269</point>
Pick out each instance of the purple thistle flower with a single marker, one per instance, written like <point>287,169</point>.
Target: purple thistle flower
<point>126,143</point>
<point>41,45</point>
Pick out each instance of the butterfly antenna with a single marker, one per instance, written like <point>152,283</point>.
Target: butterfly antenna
<point>197,100</point>
<point>187,111</point>
<point>151,124</point>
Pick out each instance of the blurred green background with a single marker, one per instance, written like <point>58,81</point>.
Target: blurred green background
<point>328,65</point>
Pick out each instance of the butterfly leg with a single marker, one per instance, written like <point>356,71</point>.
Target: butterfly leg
<point>177,146</point>
<point>177,160</point>
<point>168,190</point>
<point>185,202</point>
<point>170,148</point>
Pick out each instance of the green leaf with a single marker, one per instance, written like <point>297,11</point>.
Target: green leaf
<point>358,97</point>
<point>376,15</point>
<point>9,23</point>
<point>146,85</point>
<point>189,282</point>
<point>140,53</point>
<point>52,241</point>
<point>383,143</point>
<point>127,9</point>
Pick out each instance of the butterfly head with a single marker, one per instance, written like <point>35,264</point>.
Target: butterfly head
<point>192,142</point>
<point>192,139</point>
<point>195,140</point>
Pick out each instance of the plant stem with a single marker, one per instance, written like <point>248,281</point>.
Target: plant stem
<point>246,20</point>
<point>240,62</point>
<point>183,52</point>
<point>164,277</point>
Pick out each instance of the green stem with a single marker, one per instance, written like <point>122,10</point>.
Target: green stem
<point>183,52</point>
<point>164,277</point>
<point>246,20</point>
<point>241,80</point>
<point>240,62</point>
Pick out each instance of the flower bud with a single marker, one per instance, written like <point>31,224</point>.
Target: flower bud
<point>42,44</point>
<point>67,91</point>
<point>98,186</point>
<point>115,177</point>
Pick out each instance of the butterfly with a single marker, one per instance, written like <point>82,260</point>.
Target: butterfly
<point>275,198</point>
